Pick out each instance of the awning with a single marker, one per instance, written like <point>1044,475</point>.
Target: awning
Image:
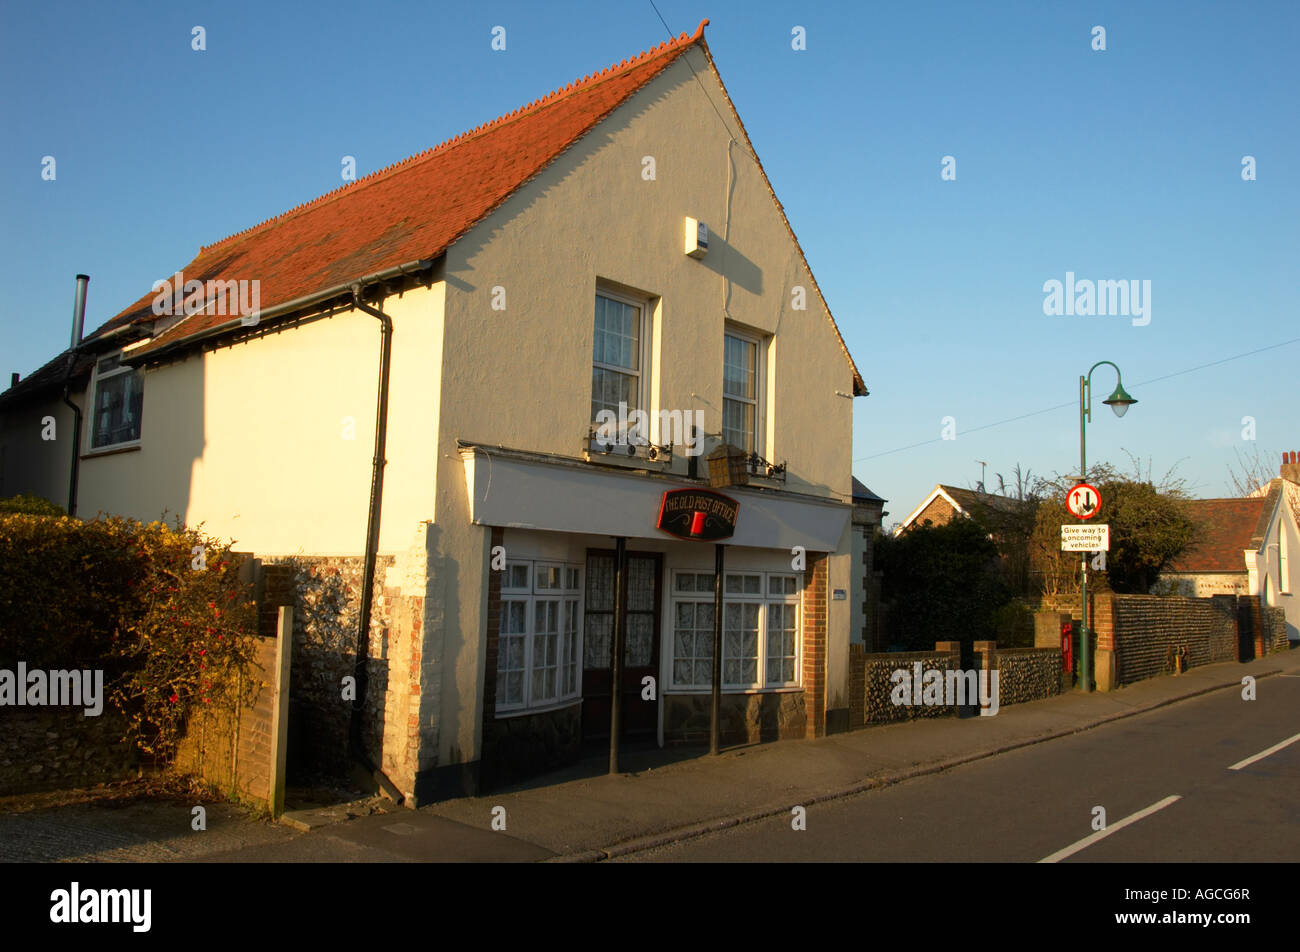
<point>523,491</point>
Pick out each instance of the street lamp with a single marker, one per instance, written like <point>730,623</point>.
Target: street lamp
<point>1119,401</point>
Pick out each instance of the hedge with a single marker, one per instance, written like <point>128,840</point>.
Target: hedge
<point>160,610</point>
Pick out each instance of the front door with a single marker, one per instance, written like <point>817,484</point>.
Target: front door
<point>640,645</point>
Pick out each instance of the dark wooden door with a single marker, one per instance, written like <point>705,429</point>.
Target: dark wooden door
<point>640,645</point>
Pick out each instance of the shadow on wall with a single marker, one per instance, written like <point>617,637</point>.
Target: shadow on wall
<point>326,595</point>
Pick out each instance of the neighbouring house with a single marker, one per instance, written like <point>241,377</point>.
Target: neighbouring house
<point>945,503</point>
<point>482,370</point>
<point>868,515</point>
<point>1247,547</point>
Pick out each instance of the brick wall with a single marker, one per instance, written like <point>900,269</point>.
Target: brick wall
<point>325,592</point>
<point>51,748</point>
<point>814,644</point>
<point>1024,674</point>
<point>1275,630</point>
<point>857,685</point>
<point>871,684</point>
<point>745,718</point>
<point>1144,631</point>
<point>940,512</point>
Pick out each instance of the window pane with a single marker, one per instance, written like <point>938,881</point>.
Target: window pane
<point>596,641</point>
<point>639,651</point>
<point>618,334</point>
<point>640,584</point>
<point>600,583</point>
<point>738,378</point>
<point>609,388</point>
<point>780,585</point>
<point>119,400</point>
<point>738,424</point>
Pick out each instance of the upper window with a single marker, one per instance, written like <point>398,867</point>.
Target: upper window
<point>117,403</point>
<point>742,388</point>
<point>1283,559</point>
<point>619,355</point>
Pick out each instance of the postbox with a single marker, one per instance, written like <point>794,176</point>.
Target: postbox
<point>1067,646</point>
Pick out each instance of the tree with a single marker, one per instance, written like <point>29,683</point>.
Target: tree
<point>941,583</point>
<point>1009,517</point>
<point>1149,528</point>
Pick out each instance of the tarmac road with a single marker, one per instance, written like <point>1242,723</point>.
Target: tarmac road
<point>1028,804</point>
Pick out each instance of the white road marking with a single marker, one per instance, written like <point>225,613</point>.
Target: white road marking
<point>1087,841</point>
<point>1264,753</point>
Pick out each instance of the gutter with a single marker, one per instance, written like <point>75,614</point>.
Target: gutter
<point>279,310</point>
<point>356,743</point>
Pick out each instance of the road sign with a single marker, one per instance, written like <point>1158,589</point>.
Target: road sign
<point>1083,501</point>
<point>1094,538</point>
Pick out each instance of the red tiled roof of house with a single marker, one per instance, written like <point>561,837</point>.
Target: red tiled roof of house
<point>412,210</point>
<point>1226,527</point>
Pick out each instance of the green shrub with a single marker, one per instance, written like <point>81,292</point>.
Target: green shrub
<point>27,504</point>
<point>161,610</point>
<point>1014,624</point>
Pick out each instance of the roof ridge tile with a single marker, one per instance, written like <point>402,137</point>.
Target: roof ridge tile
<point>679,41</point>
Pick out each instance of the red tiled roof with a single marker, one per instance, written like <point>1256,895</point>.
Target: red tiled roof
<point>412,210</point>
<point>1226,528</point>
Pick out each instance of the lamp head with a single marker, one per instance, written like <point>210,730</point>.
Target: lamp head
<point>1119,401</point>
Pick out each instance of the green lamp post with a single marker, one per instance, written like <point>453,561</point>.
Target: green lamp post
<point>1119,401</point>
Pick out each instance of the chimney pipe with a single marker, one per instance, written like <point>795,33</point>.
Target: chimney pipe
<point>13,379</point>
<point>79,310</point>
<point>78,325</point>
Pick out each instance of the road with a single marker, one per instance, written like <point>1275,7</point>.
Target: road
<point>1031,804</point>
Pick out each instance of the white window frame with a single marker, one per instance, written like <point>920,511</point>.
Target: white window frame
<point>644,331</point>
<point>92,417</point>
<point>531,595</point>
<point>760,384</point>
<point>763,599</point>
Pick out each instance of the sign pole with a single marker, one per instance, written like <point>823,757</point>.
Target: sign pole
<point>715,722</point>
<point>616,651</point>
<point>1085,647</point>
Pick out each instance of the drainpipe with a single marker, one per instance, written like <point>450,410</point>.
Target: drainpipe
<point>78,326</point>
<point>372,542</point>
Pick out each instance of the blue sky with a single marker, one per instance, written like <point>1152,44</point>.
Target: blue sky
<point>1123,164</point>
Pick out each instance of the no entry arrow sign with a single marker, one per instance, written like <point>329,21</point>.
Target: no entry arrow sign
<point>1083,501</point>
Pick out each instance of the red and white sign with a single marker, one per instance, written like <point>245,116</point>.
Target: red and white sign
<point>1083,501</point>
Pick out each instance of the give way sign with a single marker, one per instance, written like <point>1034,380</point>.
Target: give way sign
<point>1083,501</point>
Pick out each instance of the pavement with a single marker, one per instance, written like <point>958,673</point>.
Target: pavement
<point>583,814</point>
